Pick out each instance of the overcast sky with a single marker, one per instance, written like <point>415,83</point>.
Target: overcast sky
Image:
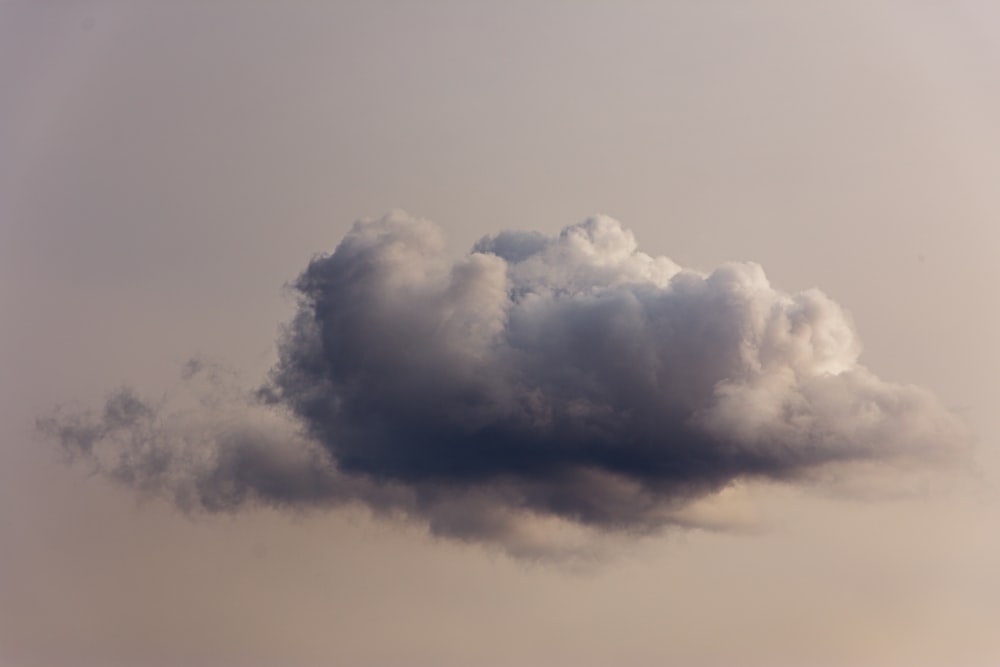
<point>168,171</point>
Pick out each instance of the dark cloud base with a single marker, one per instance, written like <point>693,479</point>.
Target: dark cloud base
<point>571,378</point>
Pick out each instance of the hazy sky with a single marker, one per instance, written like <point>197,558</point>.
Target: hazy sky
<point>168,170</point>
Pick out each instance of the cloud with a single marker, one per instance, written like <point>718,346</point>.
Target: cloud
<point>537,385</point>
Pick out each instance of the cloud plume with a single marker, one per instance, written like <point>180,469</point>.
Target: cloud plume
<point>571,379</point>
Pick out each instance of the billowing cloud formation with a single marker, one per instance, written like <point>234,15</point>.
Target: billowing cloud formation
<point>569,379</point>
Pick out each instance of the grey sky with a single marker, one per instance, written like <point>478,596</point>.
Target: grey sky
<point>165,168</point>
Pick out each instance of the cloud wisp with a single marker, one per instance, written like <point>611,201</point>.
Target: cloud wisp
<point>537,381</point>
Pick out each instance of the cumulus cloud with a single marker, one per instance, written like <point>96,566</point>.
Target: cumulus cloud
<point>537,384</point>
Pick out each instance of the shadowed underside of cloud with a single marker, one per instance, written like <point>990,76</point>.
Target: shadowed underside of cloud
<point>537,383</point>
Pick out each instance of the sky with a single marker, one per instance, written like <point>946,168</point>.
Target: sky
<point>268,273</point>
